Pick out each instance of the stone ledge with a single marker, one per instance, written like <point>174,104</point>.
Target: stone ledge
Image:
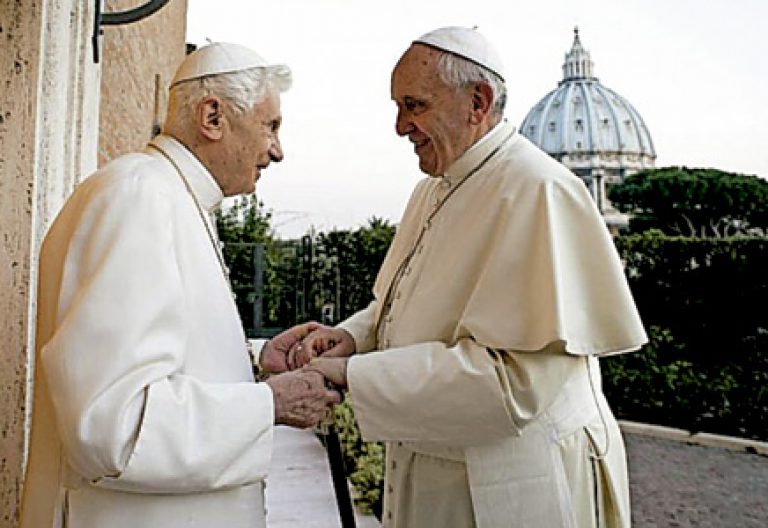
<point>702,439</point>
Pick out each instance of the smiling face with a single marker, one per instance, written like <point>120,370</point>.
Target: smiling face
<point>436,117</point>
<point>251,144</point>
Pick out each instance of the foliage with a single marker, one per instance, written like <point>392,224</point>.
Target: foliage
<point>704,290</point>
<point>693,202</point>
<point>658,386</point>
<point>347,263</point>
<point>243,228</point>
<point>364,461</point>
<point>706,366</point>
<point>299,276</point>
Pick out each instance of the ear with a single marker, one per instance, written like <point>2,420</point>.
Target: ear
<point>482,99</point>
<point>210,118</point>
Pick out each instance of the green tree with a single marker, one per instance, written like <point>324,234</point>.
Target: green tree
<point>242,228</point>
<point>693,202</point>
<point>300,276</point>
<point>346,265</point>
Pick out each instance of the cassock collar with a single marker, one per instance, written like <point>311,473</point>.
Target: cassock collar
<point>201,181</point>
<point>477,152</point>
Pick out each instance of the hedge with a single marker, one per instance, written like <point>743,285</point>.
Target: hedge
<point>703,302</point>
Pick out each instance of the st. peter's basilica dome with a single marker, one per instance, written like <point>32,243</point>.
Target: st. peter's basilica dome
<point>591,129</point>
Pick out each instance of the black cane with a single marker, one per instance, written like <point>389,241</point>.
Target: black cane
<point>339,477</point>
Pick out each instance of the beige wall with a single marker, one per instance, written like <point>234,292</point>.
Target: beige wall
<point>49,114</point>
<point>17,31</point>
<point>132,56</point>
<point>49,105</point>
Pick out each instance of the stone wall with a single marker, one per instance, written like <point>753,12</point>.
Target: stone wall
<point>17,33</point>
<point>48,109</point>
<point>49,125</point>
<point>132,56</point>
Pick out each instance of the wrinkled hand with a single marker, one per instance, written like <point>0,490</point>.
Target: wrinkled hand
<point>274,355</point>
<point>334,369</point>
<point>324,341</point>
<point>301,398</point>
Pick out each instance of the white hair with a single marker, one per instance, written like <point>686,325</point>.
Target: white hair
<point>240,91</point>
<point>459,72</point>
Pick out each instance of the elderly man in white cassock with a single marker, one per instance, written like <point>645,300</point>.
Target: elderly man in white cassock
<point>146,413</point>
<point>477,360</point>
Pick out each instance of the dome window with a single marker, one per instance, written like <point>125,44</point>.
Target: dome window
<point>531,129</point>
<point>551,126</point>
<point>579,126</point>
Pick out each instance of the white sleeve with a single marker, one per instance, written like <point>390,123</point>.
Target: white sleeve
<point>129,417</point>
<point>460,396</point>
<point>257,347</point>
<point>361,327</point>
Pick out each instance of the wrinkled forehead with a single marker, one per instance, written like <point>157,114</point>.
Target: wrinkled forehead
<point>417,70</point>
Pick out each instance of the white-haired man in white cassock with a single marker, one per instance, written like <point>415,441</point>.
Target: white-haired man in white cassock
<point>477,359</point>
<point>146,413</point>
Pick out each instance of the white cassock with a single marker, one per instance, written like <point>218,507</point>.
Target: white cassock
<point>477,361</point>
<point>146,413</point>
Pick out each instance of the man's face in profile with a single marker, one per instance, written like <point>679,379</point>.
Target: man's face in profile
<point>434,115</point>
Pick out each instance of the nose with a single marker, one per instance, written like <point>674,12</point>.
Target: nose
<point>403,125</point>
<point>276,151</point>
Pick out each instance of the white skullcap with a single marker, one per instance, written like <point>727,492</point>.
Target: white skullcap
<point>466,43</point>
<point>221,57</point>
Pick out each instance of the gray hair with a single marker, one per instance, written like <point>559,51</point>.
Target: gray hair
<point>240,91</point>
<point>459,72</point>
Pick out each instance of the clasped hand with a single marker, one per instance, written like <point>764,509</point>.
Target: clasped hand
<point>301,395</point>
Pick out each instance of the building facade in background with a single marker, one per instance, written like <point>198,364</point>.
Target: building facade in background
<point>591,129</point>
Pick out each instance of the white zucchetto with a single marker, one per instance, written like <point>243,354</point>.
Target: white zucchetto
<point>221,57</point>
<point>467,43</point>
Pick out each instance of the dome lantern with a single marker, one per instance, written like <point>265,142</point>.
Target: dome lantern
<point>578,63</point>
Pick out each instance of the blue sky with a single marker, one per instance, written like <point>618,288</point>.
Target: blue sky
<point>696,70</point>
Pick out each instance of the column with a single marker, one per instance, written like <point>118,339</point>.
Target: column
<point>48,138</point>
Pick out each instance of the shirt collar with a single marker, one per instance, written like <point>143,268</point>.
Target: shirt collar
<point>477,152</point>
<point>200,180</point>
